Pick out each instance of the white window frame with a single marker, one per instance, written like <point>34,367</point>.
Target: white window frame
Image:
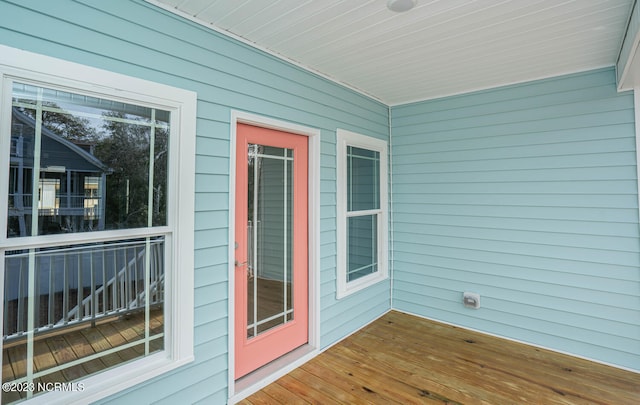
<point>344,139</point>
<point>22,66</point>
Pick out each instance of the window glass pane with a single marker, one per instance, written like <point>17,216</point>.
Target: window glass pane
<point>93,307</point>
<point>160,176</point>
<point>81,163</point>
<point>362,246</point>
<point>363,178</point>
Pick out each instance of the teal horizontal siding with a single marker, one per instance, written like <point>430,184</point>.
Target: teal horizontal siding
<point>528,195</point>
<point>483,102</point>
<point>138,39</point>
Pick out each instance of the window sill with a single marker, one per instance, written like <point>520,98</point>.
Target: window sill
<point>360,284</point>
<point>110,382</point>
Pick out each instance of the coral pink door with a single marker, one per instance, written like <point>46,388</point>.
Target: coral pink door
<point>271,246</point>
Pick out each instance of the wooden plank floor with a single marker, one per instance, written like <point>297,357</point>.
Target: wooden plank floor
<point>402,359</point>
<point>70,344</point>
<point>270,298</point>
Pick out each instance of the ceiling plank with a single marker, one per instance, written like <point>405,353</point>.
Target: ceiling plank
<point>440,47</point>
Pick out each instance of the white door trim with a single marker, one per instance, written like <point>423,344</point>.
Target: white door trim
<point>256,381</point>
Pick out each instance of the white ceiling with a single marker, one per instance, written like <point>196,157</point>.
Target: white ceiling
<point>440,48</point>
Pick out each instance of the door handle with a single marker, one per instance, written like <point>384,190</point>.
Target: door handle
<point>249,268</point>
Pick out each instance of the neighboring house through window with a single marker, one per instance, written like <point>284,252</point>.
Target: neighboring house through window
<point>362,211</point>
<point>92,233</point>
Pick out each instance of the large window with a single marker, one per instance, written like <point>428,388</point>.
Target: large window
<point>362,211</point>
<point>96,217</point>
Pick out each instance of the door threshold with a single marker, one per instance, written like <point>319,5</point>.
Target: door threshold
<point>270,372</point>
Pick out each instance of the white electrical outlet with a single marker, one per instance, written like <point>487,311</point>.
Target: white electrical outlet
<point>471,300</point>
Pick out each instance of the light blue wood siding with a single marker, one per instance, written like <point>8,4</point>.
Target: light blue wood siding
<point>138,39</point>
<point>527,195</point>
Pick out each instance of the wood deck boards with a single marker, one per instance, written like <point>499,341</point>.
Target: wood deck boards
<point>76,343</point>
<point>409,360</point>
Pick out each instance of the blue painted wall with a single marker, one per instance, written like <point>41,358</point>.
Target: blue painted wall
<point>527,195</point>
<point>138,39</point>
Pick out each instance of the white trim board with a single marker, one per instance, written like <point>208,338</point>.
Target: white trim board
<point>260,378</point>
<point>636,102</point>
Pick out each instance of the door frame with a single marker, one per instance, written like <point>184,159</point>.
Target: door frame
<point>267,374</point>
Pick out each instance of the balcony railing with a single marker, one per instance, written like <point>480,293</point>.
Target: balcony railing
<point>80,284</point>
<point>25,201</point>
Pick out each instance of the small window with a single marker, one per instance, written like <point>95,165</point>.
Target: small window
<point>92,234</point>
<point>362,212</point>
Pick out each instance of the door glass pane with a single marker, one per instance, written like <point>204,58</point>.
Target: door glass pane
<point>362,246</point>
<point>83,164</point>
<point>270,245</point>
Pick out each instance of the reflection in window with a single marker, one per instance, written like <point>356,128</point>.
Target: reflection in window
<point>48,201</point>
<point>80,163</point>
<point>92,193</point>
